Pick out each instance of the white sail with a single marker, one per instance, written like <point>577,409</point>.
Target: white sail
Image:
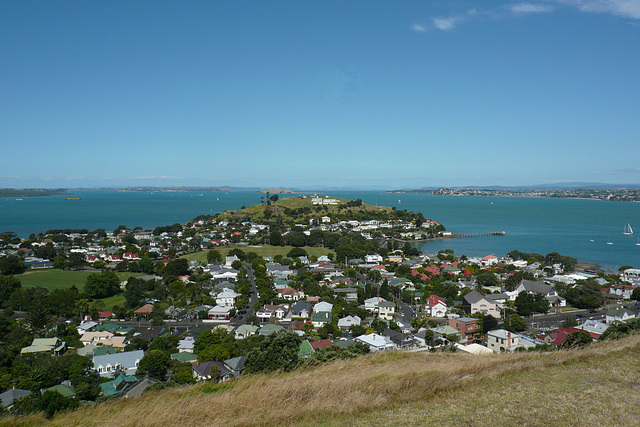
<point>628,231</point>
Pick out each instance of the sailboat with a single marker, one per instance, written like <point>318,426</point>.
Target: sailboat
<point>609,242</point>
<point>638,242</point>
<point>628,231</point>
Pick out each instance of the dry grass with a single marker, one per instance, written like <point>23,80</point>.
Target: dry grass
<point>407,389</point>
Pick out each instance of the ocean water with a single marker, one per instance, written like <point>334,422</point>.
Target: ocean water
<point>539,225</point>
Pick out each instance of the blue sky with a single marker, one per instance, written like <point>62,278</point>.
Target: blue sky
<point>381,94</point>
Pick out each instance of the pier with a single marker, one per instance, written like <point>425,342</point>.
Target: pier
<point>491,233</point>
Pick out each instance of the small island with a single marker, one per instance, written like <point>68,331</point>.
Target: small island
<point>31,192</point>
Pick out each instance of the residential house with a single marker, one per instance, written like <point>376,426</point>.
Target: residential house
<point>235,365</point>
<point>270,328</point>
<point>400,340</point>
<point>289,293</point>
<point>108,364</point>
<point>220,312</point>
<point>386,310</point>
<point>376,342</point>
<point>226,298</point>
<point>467,327</point>
<point>321,319</point>
<point>301,309</point>
<point>631,275</point>
<point>502,340</point>
<point>349,294</point>
<point>373,259</point>
<point>489,260</point>
<point>203,371</point>
<point>118,385</point>
<point>245,331</point>
<point>55,346</point>
<point>346,322</point>
<point>186,345</point>
<point>397,258</point>
<point>322,306</point>
<point>539,287</point>
<point>475,302</point>
<point>272,310</point>
<point>435,306</point>
<point>305,350</point>
<point>372,303</point>
<point>9,397</point>
<point>620,314</point>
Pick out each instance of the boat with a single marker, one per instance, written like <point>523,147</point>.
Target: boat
<point>72,198</point>
<point>628,231</point>
<point>609,242</point>
<point>591,240</point>
<point>638,242</point>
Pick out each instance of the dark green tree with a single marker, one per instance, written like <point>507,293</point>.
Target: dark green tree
<point>577,339</point>
<point>102,285</point>
<point>8,284</point>
<point>529,303</point>
<point>155,363</point>
<point>278,352</point>
<point>11,264</point>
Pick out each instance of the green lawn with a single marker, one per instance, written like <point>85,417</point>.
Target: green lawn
<point>265,250</point>
<point>52,278</point>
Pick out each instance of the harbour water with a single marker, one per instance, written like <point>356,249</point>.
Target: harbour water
<point>540,225</point>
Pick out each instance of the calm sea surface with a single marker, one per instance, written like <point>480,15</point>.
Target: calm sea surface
<point>532,224</point>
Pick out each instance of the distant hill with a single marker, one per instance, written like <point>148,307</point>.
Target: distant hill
<point>597,385</point>
<point>553,186</point>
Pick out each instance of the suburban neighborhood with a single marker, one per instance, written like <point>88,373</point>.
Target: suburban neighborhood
<point>324,279</point>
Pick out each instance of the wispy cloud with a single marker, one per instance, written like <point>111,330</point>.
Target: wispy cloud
<point>450,22</point>
<point>525,8</point>
<point>624,8</point>
<point>446,24</point>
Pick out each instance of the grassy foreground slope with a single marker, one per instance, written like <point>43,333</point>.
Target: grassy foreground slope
<point>595,386</point>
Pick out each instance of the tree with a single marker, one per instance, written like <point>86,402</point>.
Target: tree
<point>214,255</point>
<point>379,325</point>
<point>514,323</point>
<point>51,402</point>
<point>585,294</point>
<point>635,295</point>
<point>486,278</point>
<point>11,265</point>
<point>529,303</point>
<point>8,284</point>
<point>296,252</point>
<point>176,268</point>
<point>155,364</point>
<point>275,238</point>
<point>577,339</point>
<point>102,285</point>
<point>278,352</point>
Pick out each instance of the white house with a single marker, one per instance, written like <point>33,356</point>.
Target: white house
<point>226,298</point>
<point>322,306</point>
<point>502,340</point>
<point>372,303</point>
<point>376,342</point>
<point>435,306</point>
<point>346,322</point>
<point>373,259</point>
<point>107,365</point>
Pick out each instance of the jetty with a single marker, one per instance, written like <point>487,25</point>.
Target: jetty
<point>491,233</point>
